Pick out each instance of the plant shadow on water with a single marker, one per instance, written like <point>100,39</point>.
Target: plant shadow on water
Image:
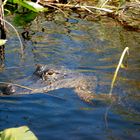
<point>91,48</point>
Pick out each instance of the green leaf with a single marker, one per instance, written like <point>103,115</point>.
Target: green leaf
<point>20,133</point>
<point>32,6</point>
<point>13,1</point>
<point>2,41</point>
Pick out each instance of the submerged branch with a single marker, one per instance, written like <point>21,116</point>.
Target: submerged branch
<point>33,91</point>
<point>25,87</point>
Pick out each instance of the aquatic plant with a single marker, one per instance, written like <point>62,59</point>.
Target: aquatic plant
<point>126,50</point>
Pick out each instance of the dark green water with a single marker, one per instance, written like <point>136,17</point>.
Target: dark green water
<point>91,48</point>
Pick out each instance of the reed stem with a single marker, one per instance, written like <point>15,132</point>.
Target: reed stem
<point>126,50</point>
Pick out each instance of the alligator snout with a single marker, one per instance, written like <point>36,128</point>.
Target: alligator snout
<point>7,89</point>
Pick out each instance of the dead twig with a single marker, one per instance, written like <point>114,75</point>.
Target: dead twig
<point>79,6</point>
<point>33,91</point>
<point>25,87</point>
<point>55,7</point>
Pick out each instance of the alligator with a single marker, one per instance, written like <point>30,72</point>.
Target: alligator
<point>60,77</point>
<point>54,78</point>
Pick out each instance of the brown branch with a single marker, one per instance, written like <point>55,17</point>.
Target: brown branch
<point>78,6</point>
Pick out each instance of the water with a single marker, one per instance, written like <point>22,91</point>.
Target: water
<point>91,48</point>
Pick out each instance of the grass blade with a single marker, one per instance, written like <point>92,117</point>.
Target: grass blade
<point>126,50</point>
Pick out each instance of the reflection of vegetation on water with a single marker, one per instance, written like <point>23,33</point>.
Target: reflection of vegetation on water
<point>125,12</point>
<point>127,113</point>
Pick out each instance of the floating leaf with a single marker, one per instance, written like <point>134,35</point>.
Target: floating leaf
<point>20,133</point>
<point>2,41</point>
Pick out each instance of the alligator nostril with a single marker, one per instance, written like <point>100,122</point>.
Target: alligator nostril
<point>7,89</point>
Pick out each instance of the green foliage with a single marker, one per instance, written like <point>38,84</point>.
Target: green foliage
<point>20,133</point>
<point>29,5</point>
<point>24,19</point>
<point>2,41</point>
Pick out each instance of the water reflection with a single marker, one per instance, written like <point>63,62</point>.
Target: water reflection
<point>92,48</point>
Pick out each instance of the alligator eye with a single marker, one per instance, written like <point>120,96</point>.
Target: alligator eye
<point>50,72</point>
